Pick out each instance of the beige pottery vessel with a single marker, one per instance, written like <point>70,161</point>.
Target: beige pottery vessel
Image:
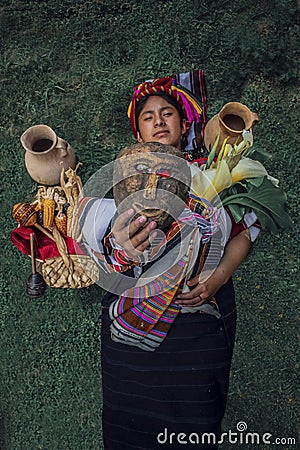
<point>231,121</point>
<point>46,154</point>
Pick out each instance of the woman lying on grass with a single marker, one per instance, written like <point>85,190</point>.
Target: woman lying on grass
<point>181,385</point>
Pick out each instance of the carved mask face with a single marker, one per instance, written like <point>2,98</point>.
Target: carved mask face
<point>153,179</point>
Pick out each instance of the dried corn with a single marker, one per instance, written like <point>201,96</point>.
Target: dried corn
<point>69,220</point>
<point>60,221</point>
<point>48,212</point>
<point>73,227</point>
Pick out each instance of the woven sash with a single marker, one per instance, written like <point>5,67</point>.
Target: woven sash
<point>143,315</point>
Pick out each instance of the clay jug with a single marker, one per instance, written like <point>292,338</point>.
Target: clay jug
<point>46,154</point>
<point>231,121</point>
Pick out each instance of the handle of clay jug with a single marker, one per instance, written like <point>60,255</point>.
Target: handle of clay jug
<point>62,147</point>
<point>255,119</point>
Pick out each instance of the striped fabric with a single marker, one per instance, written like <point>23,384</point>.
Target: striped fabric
<point>195,82</point>
<point>143,315</point>
<point>181,386</point>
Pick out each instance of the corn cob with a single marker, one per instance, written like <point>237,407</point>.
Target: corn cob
<point>75,193</point>
<point>48,212</point>
<point>69,220</point>
<point>60,221</point>
<point>73,227</point>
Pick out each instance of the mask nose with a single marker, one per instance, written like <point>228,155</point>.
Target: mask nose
<point>150,187</point>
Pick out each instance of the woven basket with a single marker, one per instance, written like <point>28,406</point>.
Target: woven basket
<point>82,271</point>
<point>68,271</point>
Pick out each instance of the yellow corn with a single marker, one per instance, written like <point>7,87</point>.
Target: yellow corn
<point>48,212</point>
<point>61,223</point>
<point>73,228</point>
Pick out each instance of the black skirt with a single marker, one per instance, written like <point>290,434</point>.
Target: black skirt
<point>170,397</point>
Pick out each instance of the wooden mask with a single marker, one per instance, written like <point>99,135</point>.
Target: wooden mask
<point>154,179</point>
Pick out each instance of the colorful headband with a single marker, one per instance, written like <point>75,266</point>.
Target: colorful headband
<point>189,103</point>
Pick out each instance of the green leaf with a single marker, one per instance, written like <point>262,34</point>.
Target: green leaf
<point>212,153</point>
<point>257,181</point>
<point>259,154</point>
<point>238,211</point>
<point>236,188</point>
<point>267,201</point>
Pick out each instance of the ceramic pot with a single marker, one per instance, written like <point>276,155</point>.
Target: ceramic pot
<point>231,121</point>
<point>46,154</point>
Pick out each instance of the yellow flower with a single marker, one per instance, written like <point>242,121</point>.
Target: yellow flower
<point>210,182</point>
<point>230,167</point>
<point>247,168</point>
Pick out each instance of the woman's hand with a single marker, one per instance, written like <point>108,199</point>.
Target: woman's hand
<point>132,235</point>
<point>202,292</point>
<point>236,251</point>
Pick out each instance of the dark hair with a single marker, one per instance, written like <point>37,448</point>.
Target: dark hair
<point>171,100</point>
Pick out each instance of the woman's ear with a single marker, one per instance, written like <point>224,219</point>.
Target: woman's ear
<point>139,137</point>
<point>183,127</point>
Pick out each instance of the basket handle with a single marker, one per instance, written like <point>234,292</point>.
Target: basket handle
<point>62,247</point>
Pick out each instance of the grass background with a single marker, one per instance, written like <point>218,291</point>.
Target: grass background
<point>72,65</point>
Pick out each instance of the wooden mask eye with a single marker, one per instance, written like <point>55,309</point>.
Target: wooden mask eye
<point>142,168</point>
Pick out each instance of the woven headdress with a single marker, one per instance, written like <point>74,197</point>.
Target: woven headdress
<point>189,103</point>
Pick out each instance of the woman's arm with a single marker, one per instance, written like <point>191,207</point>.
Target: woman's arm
<point>135,239</point>
<point>235,253</point>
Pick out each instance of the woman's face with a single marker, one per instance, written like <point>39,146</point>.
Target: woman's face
<point>159,121</point>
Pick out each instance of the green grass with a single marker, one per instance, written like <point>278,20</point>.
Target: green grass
<point>72,65</point>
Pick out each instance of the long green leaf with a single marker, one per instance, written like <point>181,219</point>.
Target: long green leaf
<point>212,153</point>
<point>258,154</point>
<point>267,201</point>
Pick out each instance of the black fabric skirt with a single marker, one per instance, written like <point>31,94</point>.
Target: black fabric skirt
<point>170,397</point>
